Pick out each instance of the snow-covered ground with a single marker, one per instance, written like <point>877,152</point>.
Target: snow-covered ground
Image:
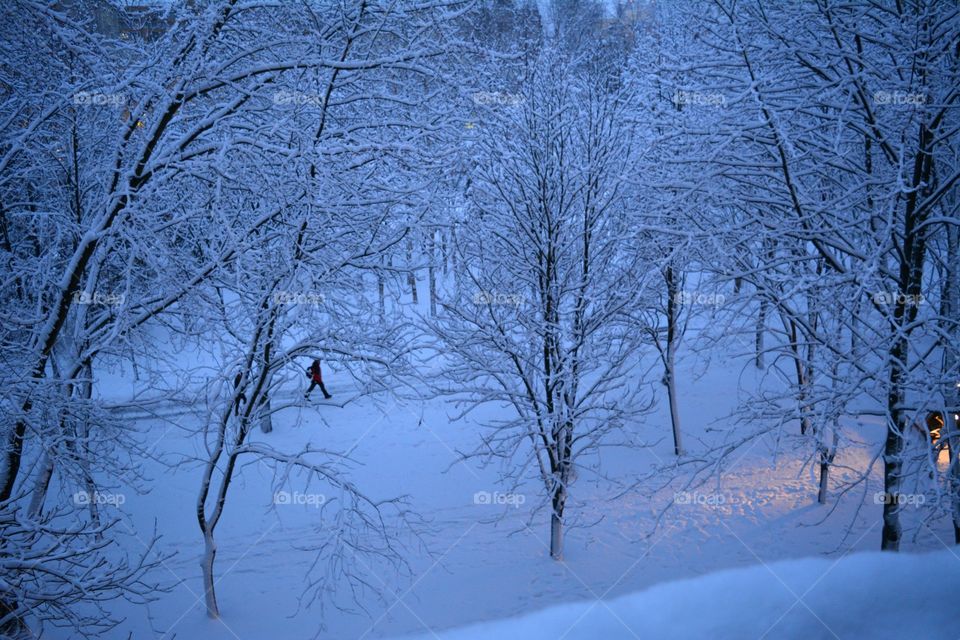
<point>855,596</point>
<point>471,562</point>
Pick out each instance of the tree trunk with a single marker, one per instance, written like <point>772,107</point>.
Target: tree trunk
<point>380,292</point>
<point>83,434</point>
<point>674,410</point>
<point>206,563</point>
<point>826,459</point>
<point>892,469</point>
<point>804,372</point>
<point>432,272</point>
<point>951,362</point>
<point>266,415</point>
<point>669,360</point>
<point>455,258</point>
<point>556,523</point>
<point>910,279</point>
<point>824,480</point>
<point>896,414</point>
<point>761,324</point>
<point>411,274</point>
<point>41,486</point>
<point>762,312</point>
<point>92,504</point>
<point>444,251</point>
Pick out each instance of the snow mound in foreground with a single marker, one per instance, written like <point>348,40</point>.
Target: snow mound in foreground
<point>865,595</point>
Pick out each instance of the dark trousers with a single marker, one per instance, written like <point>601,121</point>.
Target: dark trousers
<point>314,383</point>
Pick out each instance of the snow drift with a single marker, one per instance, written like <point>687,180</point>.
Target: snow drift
<point>863,595</point>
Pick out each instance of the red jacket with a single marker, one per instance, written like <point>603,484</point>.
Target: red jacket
<point>315,371</point>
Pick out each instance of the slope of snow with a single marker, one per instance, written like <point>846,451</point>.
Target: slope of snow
<point>863,595</point>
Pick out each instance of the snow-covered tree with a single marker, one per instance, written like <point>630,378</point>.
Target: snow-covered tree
<point>540,319</point>
<point>838,148</point>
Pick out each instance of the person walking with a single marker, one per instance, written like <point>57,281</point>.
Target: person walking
<point>316,380</point>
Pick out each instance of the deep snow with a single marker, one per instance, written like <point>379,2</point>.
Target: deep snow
<point>881,596</point>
